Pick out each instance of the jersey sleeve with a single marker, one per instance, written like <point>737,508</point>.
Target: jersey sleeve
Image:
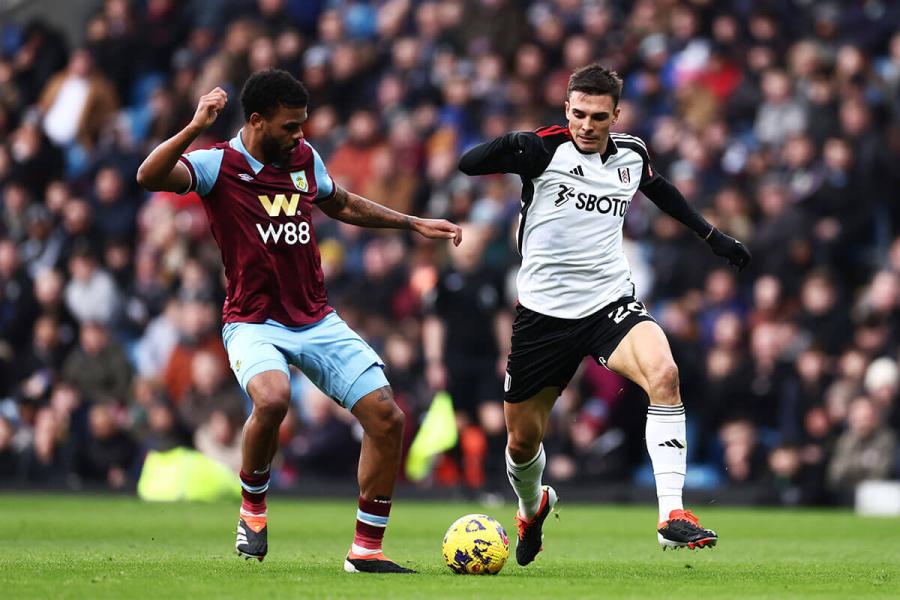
<point>667,197</point>
<point>324,182</point>
<point>519,152</point>
<point>648,173</point>
<point>203,165</point>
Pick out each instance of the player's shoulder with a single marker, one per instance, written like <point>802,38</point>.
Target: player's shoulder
<point>549,131</point>
<point>210,157</point>
<point>206,157</point>
<point>549,139</point>
<point>631,142</point>
<point>553,135</point>
<point>208,149</point>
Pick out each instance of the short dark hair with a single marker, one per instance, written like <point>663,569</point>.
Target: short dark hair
<point>595,80</point>
<point>266,90</point>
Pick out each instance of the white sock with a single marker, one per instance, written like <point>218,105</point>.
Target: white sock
<point>667,446</point>
<point>526,481</point>
<point>360,551</point>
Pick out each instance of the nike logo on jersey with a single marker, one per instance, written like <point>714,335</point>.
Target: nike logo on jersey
<point>577,171</point>
<point>245,177</point>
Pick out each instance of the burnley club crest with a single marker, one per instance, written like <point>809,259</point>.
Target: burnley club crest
<point>299,179</point>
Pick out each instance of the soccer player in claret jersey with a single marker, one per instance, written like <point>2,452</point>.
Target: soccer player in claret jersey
<point>259,189</point>
<point>576,298</point>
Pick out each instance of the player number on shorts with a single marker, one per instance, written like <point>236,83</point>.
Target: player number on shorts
<point>621,313</point>
<point>291,233</point>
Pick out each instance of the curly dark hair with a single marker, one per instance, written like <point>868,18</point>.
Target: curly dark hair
<point>595,80</point>
<point>266,90</point>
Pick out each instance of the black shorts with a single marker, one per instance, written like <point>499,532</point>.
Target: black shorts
<point>546,351</point>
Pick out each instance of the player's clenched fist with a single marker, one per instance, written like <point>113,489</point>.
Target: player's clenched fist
<point>209,108</point>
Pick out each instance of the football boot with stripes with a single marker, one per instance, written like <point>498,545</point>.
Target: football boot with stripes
<point>683,530</point>
<point>531,536</point>
<point>252,537</point>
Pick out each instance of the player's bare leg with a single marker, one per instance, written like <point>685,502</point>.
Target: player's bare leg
<point>271,395</point>
<point>525,461</point>
<point>379,461</point>
<point>644,357</point>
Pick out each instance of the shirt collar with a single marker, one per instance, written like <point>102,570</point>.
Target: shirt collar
<point>611,149</point>
<point>238,144</point>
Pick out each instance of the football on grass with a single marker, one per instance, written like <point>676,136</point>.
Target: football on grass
<point>476,545</point>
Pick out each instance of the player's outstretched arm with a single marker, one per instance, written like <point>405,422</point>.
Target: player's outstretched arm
<point>667,197</point>
<point>356,210</point>
<point>519,152</point>
<point>161,171</point>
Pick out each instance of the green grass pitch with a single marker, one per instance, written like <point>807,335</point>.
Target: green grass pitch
<point>110,547</point>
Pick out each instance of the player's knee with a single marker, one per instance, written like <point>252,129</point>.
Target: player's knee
<point>389,424</point>
<point>271,409</point>
<point>386,421</point>
<point>396,422</point>
<point>664,384</point>
<point>271,400</point>
<point>521,448</point>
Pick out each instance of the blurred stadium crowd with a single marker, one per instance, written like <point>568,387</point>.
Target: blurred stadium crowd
<point>780,120</point>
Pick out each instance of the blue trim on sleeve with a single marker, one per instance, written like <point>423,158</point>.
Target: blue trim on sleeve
<point>206,164</point>
<point>323,179</point>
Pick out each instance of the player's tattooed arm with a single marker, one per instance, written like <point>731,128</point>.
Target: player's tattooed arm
<point>354,209</point>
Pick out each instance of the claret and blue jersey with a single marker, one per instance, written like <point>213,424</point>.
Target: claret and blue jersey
<point>260,215</point>
<point>276,309</point>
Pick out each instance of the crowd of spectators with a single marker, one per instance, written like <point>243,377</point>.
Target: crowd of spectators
<point>779,120</point>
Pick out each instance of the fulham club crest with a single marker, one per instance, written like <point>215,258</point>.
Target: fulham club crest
<point>624,175</point>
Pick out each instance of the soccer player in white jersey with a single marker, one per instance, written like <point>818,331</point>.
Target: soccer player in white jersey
<point>576,297</point>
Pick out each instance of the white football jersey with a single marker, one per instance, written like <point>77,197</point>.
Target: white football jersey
<point>570,228</point>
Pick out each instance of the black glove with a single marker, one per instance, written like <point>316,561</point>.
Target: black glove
<point>729,248</point>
